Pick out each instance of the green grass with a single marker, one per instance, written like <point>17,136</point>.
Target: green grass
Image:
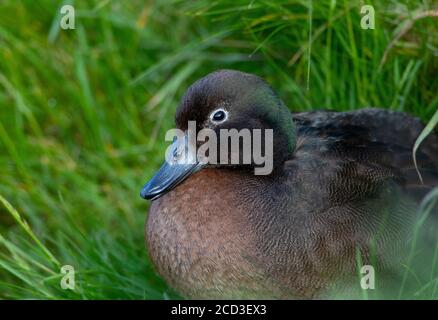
<point>83,112</point>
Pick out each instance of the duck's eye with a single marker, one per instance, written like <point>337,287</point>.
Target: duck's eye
<point>219,116</point>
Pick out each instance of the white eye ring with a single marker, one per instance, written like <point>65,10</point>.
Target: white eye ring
<point>219,115</point>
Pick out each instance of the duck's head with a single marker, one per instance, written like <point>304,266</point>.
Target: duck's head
<point>225,99</point>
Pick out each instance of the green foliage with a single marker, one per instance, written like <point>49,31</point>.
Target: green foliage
<point>83,112</point>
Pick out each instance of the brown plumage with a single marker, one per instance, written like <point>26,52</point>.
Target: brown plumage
<point>344,185</point>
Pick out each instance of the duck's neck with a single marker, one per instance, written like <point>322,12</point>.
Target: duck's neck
<point>259,192</point>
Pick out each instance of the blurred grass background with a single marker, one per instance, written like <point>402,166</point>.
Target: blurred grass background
<point>83,112</point>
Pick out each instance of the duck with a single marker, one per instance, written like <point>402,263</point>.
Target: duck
<point>343,193</point>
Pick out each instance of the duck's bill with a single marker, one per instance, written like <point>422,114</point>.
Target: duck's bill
<point>167,178</point>
<point>180,164</point>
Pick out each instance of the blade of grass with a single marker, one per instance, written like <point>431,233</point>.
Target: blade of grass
<point>24,225</point>
<point>423,135</point>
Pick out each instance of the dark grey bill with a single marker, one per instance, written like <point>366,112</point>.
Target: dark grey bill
<point>167,178</point>
<point>180,163</point>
